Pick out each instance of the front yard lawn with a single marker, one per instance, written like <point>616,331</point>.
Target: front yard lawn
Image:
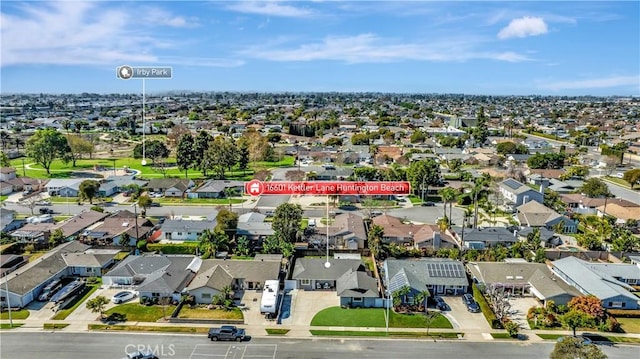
<point>15,314</point>
<point>630,325</point>
<point>136,312</point>
<point>205,313</point>
<point>374,317</point>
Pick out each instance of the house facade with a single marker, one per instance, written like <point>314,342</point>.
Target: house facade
<point>435,276</point>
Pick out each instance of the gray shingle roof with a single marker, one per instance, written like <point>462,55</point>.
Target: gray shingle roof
<point>356,284</point>
<point>161,273</point>
<point>313,268</point>
<point>257,271</point>
<point>417,274</point>
<point>180,225</point>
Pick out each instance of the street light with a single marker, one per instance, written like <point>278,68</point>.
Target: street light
<point>388,293</point>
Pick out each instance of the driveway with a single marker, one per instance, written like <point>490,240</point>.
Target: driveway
<point>306,304</point>
<point>462,319</point>
<point>519,308</point>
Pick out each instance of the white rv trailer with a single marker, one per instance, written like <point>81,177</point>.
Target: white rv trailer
<point>269,297</point>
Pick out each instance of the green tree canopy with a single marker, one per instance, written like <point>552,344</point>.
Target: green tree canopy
<point>424,173</point>
<point>286,221</point>
<point>89,189</point>
<point>47,145</point>
<point>186,157</point>
<point>595,188</point>
<point>573,348</point>
<point>632,177</point>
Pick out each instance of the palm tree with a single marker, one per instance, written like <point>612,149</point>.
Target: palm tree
<point>448,195</point>
<point>4,139</point>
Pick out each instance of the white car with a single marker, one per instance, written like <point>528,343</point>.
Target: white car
<point>123,296</point>
<point>43,203</point>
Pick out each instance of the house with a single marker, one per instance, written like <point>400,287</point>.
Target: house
<point>34,233</point>
<point>6,188</point>
<point>609,282</point>
<point>516,193</point>
<point>63,187</point>
<point>357,289</point>
<point>312,274</point>
<point>170,187</point>
<point>217,188</point>
<point>8,221</point>
<point>579,203</point>
<point>11,262</point>
<point>26,183</point>
<point>536,214</point>
<point>185,230</point>
<point>254,231</point>
<point>155,276</point>
<point>548,238</point>
<point>521,278</point>
<point>348,231</point>
<point>483,237</point>
<point>253,217</point>
<point>435,276</point>
<point>73,227</point>
<point>113,229</point>
<point>7,173</point>
<point>68,259</point>
<point>337,174</point>
<point>240,275</point>
<point>622,213</point>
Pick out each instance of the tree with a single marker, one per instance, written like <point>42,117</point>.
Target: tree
<point>513,328</point>
<point>156,150</point>
<point>78,146</point>
<point>546,160</point>
<point>243,157</point>
<point>423,174</point>
<point>588,304</point>
<point>176,133</point>
<point>230,192</point>
<point>144,202</point>
<point>213,241</point>
<point>4,160</point>
<point>186,157</point>
<point>573,348</point>
<point>624,241</point>
<point>222,155</point>
<point>201,147</point>
<point>98,304</point>
<point>507,148</point>
<point>595,188</point>
<point>56,237</point>
<point>243,246</point>
<point>632,177</point>
<point>286,221</point>
<point>374,237</point>
<point>574,319</point>
<point>480,132</point>
<point>227,221</point>
<point>47,145</point>
<point>448,195</point>
<point>89,189</point>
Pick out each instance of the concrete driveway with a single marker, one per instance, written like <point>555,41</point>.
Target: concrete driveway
<point>519,308</point>
<point>306,304</point>
<point>461,318</point>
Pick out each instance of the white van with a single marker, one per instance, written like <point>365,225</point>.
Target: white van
<point>312,223</point>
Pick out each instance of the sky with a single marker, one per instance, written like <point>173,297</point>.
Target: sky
<point>477,47</point>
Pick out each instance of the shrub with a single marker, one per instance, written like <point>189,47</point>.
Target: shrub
<point>486,309</point>
<point>512,328</point>
<point>173,248</point>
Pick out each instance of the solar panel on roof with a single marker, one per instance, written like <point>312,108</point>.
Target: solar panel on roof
<point>511,183</point>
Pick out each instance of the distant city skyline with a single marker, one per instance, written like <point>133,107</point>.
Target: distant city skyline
<point>482,48</point>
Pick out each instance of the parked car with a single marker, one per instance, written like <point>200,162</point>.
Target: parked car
<point>123,296</point>
<point>43,203</point>
<point>45,211</point>
<point>441,304</point>
<point>155,204</point>
<point>471,303</point>
<point>428,204</point>
<point>227,332</point>
<point>141,354</point>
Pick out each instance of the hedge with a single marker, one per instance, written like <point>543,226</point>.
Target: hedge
<point>173,248</point>
<point>624,313</point>
<point>486,309</point>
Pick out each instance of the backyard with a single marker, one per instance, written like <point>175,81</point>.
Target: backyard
<point>374,318</point>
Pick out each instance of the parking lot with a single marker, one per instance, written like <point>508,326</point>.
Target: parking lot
<point>236,351</point>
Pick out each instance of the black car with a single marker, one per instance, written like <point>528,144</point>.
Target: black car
<point>46,211</point>
<point>441,304</point>
<point>142,354</point>
<point>428,204</point>
<point>471,303</point>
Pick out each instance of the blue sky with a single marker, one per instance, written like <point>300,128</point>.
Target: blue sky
<point>494,48</point>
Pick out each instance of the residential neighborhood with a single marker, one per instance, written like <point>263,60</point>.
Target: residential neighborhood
<point>515,210</point>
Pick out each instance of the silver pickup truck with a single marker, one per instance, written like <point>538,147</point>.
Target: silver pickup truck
<point>227,332</point>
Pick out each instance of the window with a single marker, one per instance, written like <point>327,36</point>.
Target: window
<point>205,296</point>
<point>616,304</point>
<point>357,299</point>
<point>306,282</point>
<point>179,233</point>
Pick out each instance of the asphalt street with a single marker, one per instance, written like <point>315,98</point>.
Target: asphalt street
<point>48,345</point>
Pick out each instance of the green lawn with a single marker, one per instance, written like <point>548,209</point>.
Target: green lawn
<point>618,181</point>
<point>15,314</point>
<point>630,325</point>
<point>142,328</point>
<point>136,312</point>
<point>374,317</point>
<point>415,199</point>
<point>5,326</point>
<point>204,313</point>
<point>53,326</point>
<point>550,336</point>
<point>3,197</point>
<point>77,301</point>
<point>276,331</point>
<point>216,201</point>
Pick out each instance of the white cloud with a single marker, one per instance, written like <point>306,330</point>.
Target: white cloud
<point>269,8</point>
<point>595,83</point>
<point>523,27</point>
<point>369,48</point>
<point>88,33</point>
